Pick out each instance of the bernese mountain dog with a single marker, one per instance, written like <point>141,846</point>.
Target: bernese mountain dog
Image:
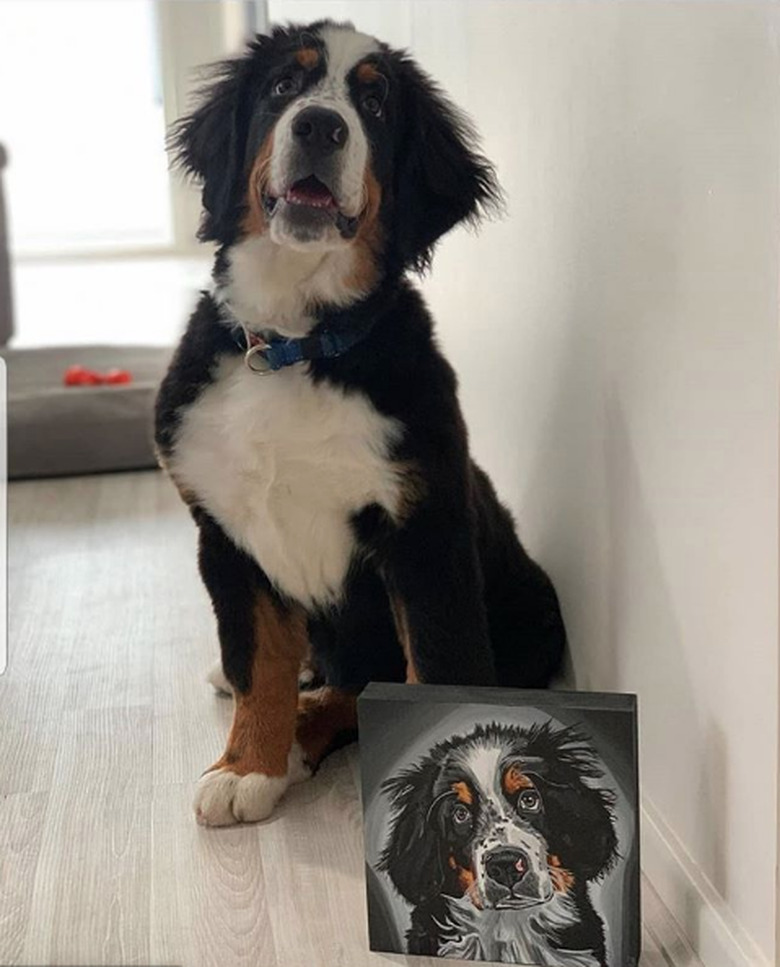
<point>494,839</point>
<point>310,421</point>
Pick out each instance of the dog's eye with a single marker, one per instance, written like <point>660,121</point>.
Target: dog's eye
<point>530,800</point>
<point>461,815</point>
<point>286,85</point>
<point>372,104</point>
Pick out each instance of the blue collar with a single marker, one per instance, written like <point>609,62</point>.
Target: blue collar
<point>268,354</point>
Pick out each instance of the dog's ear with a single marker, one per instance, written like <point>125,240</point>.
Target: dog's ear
<point>412,854</point>
<point>580,828</point>
<point>441,179</point>
<point>210,142</point>
<point>579,814</point>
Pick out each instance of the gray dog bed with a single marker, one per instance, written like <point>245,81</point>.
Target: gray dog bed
<point>57,430</point>
<point>54,430</point>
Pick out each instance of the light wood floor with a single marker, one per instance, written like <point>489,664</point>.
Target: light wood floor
<point>105,723</point>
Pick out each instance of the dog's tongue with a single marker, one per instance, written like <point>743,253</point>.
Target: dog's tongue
<point>310,191</point>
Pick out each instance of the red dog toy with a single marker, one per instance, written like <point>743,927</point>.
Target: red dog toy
<point>81,376</point>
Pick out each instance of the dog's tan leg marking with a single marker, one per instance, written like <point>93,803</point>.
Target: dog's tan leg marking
<point>404,636</point>
<point>247,781</point>
<point>323,714</point>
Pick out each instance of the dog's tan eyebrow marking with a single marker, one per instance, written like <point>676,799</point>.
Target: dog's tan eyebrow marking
<point>307,57</point>
<point>462,791</point>
<point>367,72</point>
<point>514,780</point>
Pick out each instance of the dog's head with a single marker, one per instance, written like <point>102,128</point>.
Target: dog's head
<point>509,817</point>
<point>323,138</point>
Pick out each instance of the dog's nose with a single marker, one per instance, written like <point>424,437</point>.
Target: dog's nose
<point>321,129</point>
<point>506,866</point>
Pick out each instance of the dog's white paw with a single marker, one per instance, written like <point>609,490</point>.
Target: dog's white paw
<point>224,798</point>
<point>216,678</point>
<point>297,769</point>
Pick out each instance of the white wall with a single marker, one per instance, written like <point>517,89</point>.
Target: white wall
<point>617,342</point>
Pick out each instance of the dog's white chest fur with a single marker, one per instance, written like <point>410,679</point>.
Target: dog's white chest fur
<point>282,464</point>
<point>510,936</point>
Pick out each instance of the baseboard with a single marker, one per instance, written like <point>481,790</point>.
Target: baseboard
<point>691,913</point>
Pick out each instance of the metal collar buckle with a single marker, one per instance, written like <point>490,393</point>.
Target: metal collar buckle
<point>254,357</point>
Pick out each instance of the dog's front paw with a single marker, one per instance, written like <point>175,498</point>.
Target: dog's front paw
<point>224,798</point>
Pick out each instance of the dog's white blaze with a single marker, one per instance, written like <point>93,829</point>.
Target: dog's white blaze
<point>270,286</point>
<point>282,463</point>
<point>344,49</point>
<point>483,764</point>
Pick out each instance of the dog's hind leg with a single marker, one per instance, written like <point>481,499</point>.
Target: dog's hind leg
<point>308,678</point>
<point>433,580</point>
<point>526,626</point>
<point>327,720</point>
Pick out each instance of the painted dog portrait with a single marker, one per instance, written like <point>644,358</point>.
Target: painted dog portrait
<point>496,842</point>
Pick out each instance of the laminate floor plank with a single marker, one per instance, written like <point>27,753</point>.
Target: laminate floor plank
<point>21,828</point>
<point>106,722</point>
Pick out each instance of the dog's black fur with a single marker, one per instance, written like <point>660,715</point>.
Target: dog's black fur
<point>480,611</point>
<point>428,852</point>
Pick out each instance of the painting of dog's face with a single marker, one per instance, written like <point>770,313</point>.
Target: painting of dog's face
<point>501,807</point>
<point>497,840</point>
<point>499,819</point>
<point>323,138</point>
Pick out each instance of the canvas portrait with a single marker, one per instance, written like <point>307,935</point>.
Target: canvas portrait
<point>501,826</point>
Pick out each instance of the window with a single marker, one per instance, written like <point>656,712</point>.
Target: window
<point>81,114</point>
<point>86,92</point>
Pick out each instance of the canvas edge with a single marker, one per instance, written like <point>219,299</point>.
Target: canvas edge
<point>467,695</point>
<point>373,945</point>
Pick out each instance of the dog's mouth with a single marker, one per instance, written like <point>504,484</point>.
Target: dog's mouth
<point>311,198</point>
<point>521,903</point>
<point>313,193</point>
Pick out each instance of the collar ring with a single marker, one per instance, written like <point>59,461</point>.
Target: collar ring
<point>256,361</point>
